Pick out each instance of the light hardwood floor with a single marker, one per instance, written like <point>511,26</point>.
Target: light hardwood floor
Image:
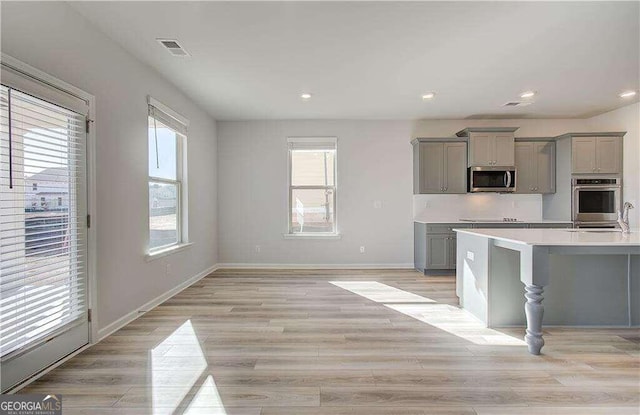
<point>341,342</point>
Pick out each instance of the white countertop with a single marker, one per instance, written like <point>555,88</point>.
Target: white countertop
<point>482,221</point>
<point>560,237</point>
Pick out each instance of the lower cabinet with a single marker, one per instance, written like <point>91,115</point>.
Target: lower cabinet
<point>435,244</point>
<point>439,251</point>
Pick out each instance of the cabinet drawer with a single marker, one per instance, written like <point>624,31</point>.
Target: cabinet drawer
<point>446,227</point>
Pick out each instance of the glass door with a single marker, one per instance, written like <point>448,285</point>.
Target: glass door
<point>43,235</point>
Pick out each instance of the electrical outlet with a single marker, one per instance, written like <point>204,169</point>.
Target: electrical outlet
<point>426,205</point>
<point>470,255</point>
<point>167,269</point>
<point>258,249</point>
<point>362,249</point>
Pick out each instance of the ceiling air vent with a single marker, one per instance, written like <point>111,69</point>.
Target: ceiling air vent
<point>173,47</point>
<point>516,104</point>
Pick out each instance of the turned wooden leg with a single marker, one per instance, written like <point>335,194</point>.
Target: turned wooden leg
<point>534,310</point>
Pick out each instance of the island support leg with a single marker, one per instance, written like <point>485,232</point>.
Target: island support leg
<point>534,274</point>
<point>534,310</point>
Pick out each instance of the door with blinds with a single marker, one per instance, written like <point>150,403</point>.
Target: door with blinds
<point>43,230</point>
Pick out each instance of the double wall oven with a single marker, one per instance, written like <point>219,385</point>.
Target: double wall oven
<point>596,201</point>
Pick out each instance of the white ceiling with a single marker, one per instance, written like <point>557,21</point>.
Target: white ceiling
<point>374,60</point>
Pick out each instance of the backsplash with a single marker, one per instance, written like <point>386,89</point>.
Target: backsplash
<point>477,206</point>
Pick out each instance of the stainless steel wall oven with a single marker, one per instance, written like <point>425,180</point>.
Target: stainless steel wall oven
<point>596,201</point>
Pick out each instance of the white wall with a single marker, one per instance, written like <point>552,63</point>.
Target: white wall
<point>626,119</point>
<point>52,37</point>
<point>374,163</point>
<point>477,206</point>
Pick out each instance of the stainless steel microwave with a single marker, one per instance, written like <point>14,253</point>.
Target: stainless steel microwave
<point>492,179</point>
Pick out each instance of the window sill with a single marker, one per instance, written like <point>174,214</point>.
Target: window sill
<point>151,256</point>
<point>326,236</point>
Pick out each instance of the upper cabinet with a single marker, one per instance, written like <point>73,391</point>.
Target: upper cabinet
<point>535,163</point>
<point>439,167</point>
<point>596,154</point>
<point>490,147</point>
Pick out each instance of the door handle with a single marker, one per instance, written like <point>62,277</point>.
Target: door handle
<point>508,179</point>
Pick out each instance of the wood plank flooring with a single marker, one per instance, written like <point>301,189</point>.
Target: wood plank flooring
<point>341,342</point>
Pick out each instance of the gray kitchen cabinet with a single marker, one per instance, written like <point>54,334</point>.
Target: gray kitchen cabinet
<point>583,155</point>
<point>431,168</point>
<point>504,149</point>
<point>526,176</point>
<point>438,251</point>
<point>481,149</point>
<point>490,146</point>
<point>435,244</point>
<point>535,164</point>
<point>545,157</point>
<point>455,163</point>
<point>439,167</point>
<point>591,155</point>
<point>609,154</point>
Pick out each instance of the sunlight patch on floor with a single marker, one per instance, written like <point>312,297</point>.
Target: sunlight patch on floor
<point>381,293</point>
<point>456,321</point>
<point>172,379</point>
<point>207,401</point>
<point>448,318</point>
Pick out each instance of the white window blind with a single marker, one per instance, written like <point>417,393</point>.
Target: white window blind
<point>168,117</point>
<point>43,239</point>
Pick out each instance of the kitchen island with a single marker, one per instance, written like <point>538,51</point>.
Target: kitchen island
<point>593,278</point>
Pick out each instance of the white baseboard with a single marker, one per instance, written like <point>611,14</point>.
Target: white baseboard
<point>46,370</point>
<point>128,318</point>
<point>131,316</point>
<point>314,266</point>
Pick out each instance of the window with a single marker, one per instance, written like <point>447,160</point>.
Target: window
<point>167,142</point>
<point>312,186</point>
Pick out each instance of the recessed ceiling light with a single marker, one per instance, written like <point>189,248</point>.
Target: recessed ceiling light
<point>428,95</point>
<point>305,96</point>
<point>627,94</point>
<point>527,94</point>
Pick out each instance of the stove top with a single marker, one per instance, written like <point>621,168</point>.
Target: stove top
<point>493,220</point>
